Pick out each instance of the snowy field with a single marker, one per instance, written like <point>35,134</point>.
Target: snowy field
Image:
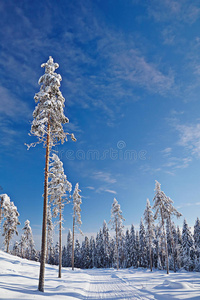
<point>19,280</point>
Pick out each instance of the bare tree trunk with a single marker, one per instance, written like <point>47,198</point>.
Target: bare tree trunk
<point>60,239</point>
<point>7,247</point>
<point>47,247</point>
<point>73,243</point>
<point>150,257</point>
<point>8,242</point>
<point>1,208</point>
<point>172,241</point>
<point>116,230</point>
<point>165,240</point>
<point>47,252</point>
<point>44,223</point>
<point>21,251</point>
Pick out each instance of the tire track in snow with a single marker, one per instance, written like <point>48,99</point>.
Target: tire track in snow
<point>109,285</point>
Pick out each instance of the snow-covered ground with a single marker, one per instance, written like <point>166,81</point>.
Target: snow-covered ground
<point>19,280</point>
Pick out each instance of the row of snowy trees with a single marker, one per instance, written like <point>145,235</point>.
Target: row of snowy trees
<point>58,186</point>
<point>25,248</point>
<point>160,244</point>
<point>133,249</point>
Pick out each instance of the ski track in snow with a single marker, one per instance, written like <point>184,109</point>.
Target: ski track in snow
<point>106,284</point>
<point>19,280</point>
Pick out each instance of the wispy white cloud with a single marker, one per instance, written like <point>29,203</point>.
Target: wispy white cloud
<point>176,112</point>
<point>133,67</point>
<point>148,169</point>
<point>174,163</point>
<point>104,176</point>
<point>111,191</point>
<point>189,137</point>
<point>13,111</point>
<point>118,63</point>
<point>170,173</point>
<point>90,188</point>
<point>74,127</point>
<point>188,204</point>
<point>11,106</point>
<point>168,36</point>
<point>174,10</point>
<point>167,151</point>
<point>105,189</point>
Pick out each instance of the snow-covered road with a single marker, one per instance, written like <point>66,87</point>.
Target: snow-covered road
<point>108,284</point>
<point>19,280</point>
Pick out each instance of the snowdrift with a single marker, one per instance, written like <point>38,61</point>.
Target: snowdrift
<point>19,280</point>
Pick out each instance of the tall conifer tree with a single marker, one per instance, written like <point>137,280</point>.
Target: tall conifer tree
<point>116,221</point>
<point>47,126</point>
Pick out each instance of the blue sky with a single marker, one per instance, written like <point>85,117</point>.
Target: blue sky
<point>131,80</point>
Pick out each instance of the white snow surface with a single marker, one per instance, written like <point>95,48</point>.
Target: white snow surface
<point>19,280</point>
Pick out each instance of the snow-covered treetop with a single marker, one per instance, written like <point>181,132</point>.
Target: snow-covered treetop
<point>27,226</point>
<point>163,204</point>
<point>28,232</point>
<point>5,198</point>
<point>50,66</point>
<point>171,209</point>
<point>76,204</point>
<point>148,214</point>
<point>116,216</point>
<point>58,185</point>
<point>160,201</point>
<point>50,108</point>
<point>149,219</point>
<point>11,214</point>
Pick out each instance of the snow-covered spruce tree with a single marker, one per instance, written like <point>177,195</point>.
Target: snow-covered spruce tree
<point>149,221</point>
<point>137,249</point>
<point>170,212</point>
<point>197,237</point>
<point>106,238</point>
<point>188,253</point>
<point>122,251</point>
<point>100,250</point>
<point>30,251</point>
<point>56,254</point>
<point>69,249</point>
<point>64,256</point>
<point>23,245</point>
<point>178,248</point>
<point>1,207</point>
<point>76,217</point>
<point>92,253</point>
<point>4,203</point>
<point>156,246</point>
<point>10,224</point>
<point>16,250</point>
<point>77,254</point>
<point>116,221</point>
<point>133,247</point>
<point>143,246</point>
<point>50,231</point>
<point>57,189</point>
<point>172,244</point>
<point>161,207</point>
<point>112,253</point>
<point>47,126</point>
<point>85,253</point>
<point>127,250</point>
